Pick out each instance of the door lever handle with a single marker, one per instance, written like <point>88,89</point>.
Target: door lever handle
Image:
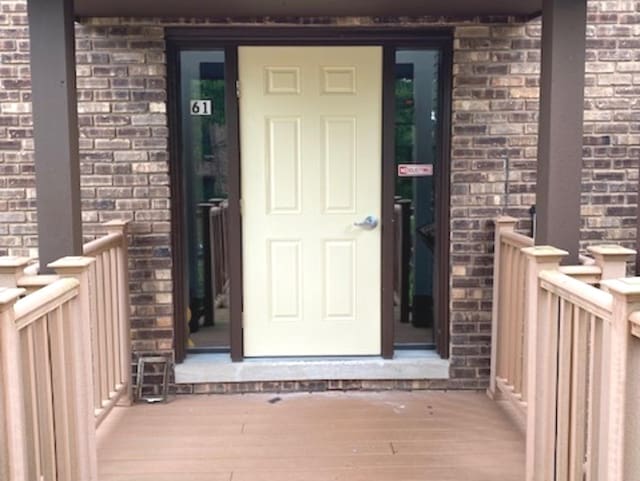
<point>368,223</point>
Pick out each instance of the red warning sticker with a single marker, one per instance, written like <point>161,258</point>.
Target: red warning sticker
<point>415,170</point>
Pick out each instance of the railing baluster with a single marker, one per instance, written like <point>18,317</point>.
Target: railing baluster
<point>62,401</point>
<point>519,321</point>
<point>511,318</point>
<point>498,316</point>
<point>578,411</point>
<point>565,336</point>
<point>501,320</point>
<point>550,382</point>
<point>593,409</point>
<point>44,398</point>
<point>117,326</point>
<point>225,240</point>
<point>215,230</point>
<point>95,339</point>
<point>117,332</point>
<point>33,415</point>
<point>525,330</point>
<point>115,320</point>
<point>108,326</point>
<point>103,362</point>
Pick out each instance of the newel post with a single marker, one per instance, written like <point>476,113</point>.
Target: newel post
<point>79,268</point>
<point>540,258</point>
<point>12,269</point>
<point>12,414</point>
<point>616,337</point>
<point>612,259</point>
<point>124,306</point>
<point>503,224</point>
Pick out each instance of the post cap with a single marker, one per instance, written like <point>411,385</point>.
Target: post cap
<point>117,226</point>
<point>14,262</point>
<point>70,263</point>
<point>9,296</point>
<point>117,223</point>
<point>611,250</point>
<point>505,219</point>
<point>545,253</point>
<point>627,286</point>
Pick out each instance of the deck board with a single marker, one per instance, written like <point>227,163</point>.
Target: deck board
<point>399,436</point>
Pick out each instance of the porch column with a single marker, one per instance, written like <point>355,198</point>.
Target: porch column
<point>561,125</point>
<point>55,123</point>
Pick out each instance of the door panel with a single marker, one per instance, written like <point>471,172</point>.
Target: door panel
<point>283,166</point>
<point>340,161</point>
<point>310,133</point>
<point>339,280</point>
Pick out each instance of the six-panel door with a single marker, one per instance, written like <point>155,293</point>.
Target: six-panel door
<point>310,128</point>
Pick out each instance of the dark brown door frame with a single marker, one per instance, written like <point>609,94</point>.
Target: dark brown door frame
<point>180,301</point>
<point>443,207</point>
<point>389,38</point>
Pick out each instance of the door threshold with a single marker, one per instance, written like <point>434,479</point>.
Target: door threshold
<point>218,368</point>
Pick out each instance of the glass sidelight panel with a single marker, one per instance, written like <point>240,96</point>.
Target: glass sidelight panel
<point>204,163</point>
<point>416,128</point>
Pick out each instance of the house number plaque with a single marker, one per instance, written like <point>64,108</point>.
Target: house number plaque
<point>201,107</point>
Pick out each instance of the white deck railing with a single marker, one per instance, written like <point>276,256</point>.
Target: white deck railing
<point>47,417</point>
<point>509,334</point>
<point>512,283</point>
<point>65,359</point>
<point>110,325</point>
<point>577,426</point>
<point>579,354</point>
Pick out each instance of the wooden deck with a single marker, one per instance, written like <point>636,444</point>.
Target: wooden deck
<point>396,436</point>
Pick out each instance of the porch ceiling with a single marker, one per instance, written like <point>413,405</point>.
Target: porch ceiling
<point>311,8</point>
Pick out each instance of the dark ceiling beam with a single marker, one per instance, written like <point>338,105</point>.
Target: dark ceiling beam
<point>560,134</point>
<point>305,8</point>
<point>55,125</point>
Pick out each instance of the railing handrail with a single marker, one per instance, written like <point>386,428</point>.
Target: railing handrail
<point>593,300</point>
<point>102,244</point>
<point>516,240</point>
<point>43,301</point>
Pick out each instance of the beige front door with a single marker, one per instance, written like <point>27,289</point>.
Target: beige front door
<point>310,136</point>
